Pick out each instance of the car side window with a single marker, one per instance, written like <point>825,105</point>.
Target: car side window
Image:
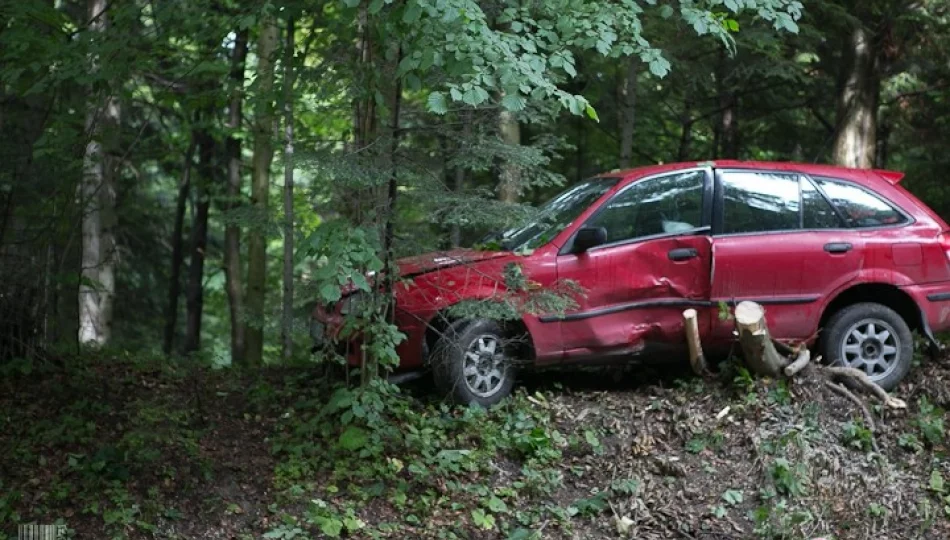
<point>667,204</point>
<point>759,202</point>
<point>816,212</point>
<point>860,207</point>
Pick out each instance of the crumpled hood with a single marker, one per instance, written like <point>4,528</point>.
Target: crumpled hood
<point>420,264</point>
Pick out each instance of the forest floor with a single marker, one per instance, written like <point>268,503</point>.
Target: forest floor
<point>122,447</point>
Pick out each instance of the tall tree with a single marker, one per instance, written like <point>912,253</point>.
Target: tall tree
<point>177,241</point>
<point>260,187</point>
<point>234,281</point>
<point>859,91</point>
<point>199,234</point>
<point>97,199</point>
<point>287,303</point>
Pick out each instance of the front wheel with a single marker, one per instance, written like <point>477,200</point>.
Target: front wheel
<point>470,363</point>
<point>872,338</point>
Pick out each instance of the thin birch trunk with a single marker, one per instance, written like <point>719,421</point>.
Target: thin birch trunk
<point>97,203</point>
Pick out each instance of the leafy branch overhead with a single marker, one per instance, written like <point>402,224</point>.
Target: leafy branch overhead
<point>526,50</point>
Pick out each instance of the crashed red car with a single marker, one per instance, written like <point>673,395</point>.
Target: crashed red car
<point>844,259</point>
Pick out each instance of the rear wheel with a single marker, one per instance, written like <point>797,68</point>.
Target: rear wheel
<point>471,364</point>
<point>872,338</point>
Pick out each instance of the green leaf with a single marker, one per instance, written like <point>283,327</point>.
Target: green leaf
<point>330,292</point>
<point>331,527</point>
<point>513,102</point>
<point>353,438</point>
<point>412,13</point>
<point>497,505</point>
<point>375,6</point>
<point>591,113</point>
<point>569,67</point>
<point>732,496</point>
<point>732,25</point>
<point>482,519</point>
<point>437,104</point>
<point>522,534</point>
<point>936,482</point>
<point>660,67</point>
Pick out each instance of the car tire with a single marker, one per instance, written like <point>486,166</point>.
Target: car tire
<point>470,363</point>
<point>872,338</point>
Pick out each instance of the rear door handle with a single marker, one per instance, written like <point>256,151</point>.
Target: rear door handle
<point>838,247</point>
<point>682,254</point>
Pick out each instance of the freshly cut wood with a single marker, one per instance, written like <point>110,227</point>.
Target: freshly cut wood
<point>696,358</point>
<point>804,357</point>
<point>757,346</point>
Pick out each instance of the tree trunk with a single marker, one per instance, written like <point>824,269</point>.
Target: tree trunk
<point>174,281</point>
<point>581,153</point>
<point>858,95</point>
<point>458,183</point>
<point>260,184</point>
<point>287,323</point>
<point>627,98</point>
<point>686,133</point>
<point>234,281</point>
<point>509,179</point>
<point>883,145</point>
<point>97,201</point>
<point>390,216</point>
<point>364,118</point>
<point>729,126</point>
<point>199,238</point>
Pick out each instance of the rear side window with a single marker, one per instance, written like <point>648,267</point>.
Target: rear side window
<point>816,212</point>
<point>860,207</point>
<point>759,202</point>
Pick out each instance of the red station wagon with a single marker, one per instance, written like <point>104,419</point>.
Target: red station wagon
<point>844,259</point>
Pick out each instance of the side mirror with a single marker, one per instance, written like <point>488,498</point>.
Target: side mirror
<point>589,237</point>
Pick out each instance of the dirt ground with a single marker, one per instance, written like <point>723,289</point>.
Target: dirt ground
<point>687,458</point>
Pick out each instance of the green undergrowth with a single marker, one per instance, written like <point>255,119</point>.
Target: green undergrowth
<point>101,440</point>
<point>433,465</point>
<point>122,446</point>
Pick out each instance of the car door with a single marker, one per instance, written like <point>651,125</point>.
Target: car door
<point>654,264</point>
<point>777,241</point>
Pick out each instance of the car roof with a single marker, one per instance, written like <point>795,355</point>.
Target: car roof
<point>860,176</point>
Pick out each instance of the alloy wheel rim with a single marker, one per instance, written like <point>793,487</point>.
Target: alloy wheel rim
<point>872,346</point>
<point>484,366</point>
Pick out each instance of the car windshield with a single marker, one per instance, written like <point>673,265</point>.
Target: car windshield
<point>553,216</point>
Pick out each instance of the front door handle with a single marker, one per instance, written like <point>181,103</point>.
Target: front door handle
<point>682,254</point>
<point>838,247</point>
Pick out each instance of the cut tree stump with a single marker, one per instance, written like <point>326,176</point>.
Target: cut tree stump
<point>757,346</point>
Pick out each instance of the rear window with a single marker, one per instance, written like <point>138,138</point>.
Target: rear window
<point>860,207</point>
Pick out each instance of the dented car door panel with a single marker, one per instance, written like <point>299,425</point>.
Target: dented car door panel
<point>636,294</point>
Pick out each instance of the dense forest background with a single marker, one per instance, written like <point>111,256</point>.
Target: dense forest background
<point>182,180</point>
<point>180,176</point>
